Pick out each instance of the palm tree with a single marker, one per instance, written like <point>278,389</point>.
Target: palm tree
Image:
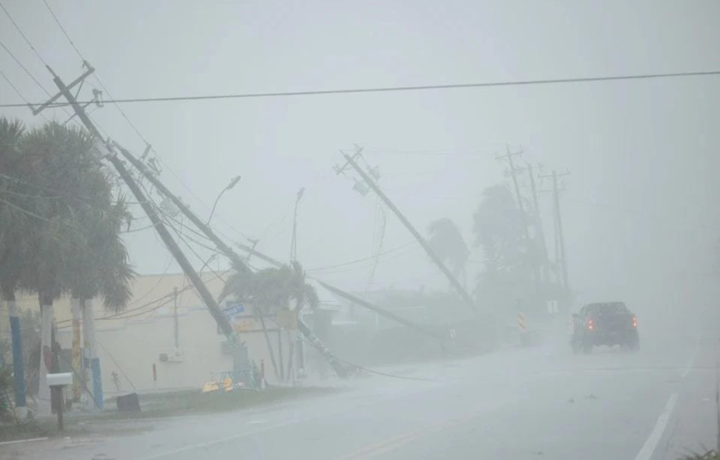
<point>75,244</point>
<point>303,294</point>
<point>100,269</point>
<point>448,244</point>
<point>269,292</point>
<point>14,222</point>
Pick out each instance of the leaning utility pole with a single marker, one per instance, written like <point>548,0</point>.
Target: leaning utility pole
<point>237,261</point>
<point>349,297</point>
<point>371,183</point>
<point>157,222</point>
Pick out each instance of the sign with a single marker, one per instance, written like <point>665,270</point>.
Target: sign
<point>234,310</point>
<point>243,325</point>
<point>287,319</point>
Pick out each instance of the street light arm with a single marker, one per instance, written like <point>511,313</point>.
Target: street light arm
<point>233,183</point>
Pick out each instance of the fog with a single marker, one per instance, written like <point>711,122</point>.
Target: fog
<point>640,213</point>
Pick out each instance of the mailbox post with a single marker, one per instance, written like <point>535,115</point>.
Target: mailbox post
<point>56,382</point>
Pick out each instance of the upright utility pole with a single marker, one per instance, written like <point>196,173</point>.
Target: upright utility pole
<point>293,242</point>
<point>157,222</point>
<point>561,257</point>
<point>558,219</point>
<point>175,318</point>
<point>513,174</point>
<point>371,183</point>
<point>538,224</point>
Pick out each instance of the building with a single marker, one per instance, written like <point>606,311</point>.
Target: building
<point>165,338</point>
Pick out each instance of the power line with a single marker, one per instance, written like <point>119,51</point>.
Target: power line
<point>57,21</point>
<point>23,35</point>
<point>364,259</point>
<point>392,89</point>
<point>7,50</point>
<point>29,213</point>
<point>125,116</point>
<point>102,85</point>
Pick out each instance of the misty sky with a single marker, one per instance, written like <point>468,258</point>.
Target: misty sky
<point>641,211</point>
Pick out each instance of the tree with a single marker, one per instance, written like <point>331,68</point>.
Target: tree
<point>302,294</point>
<point>448,244</point>
<point>269,292</point>
<point>507,255</point>
<point>14,247</point>
<point>68,233</point>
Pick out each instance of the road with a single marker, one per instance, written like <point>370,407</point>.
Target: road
<point>523,403</point>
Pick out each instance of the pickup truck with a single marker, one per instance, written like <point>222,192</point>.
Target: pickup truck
<point>605,323</point>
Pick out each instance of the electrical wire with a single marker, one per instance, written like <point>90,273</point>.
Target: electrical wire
<point>23,35</point>
<point>37,82</point>
<point>112,358</point>
<point>365,369</point>
<point>17,91</point>
<point>364,259</point>
<point>125,116</point>
<point>393,89</point>
<point>57,21</point>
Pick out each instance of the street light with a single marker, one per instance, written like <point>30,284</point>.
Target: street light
<point>233,183</point>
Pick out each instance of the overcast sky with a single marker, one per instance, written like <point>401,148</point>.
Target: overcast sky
<point>641,204</point>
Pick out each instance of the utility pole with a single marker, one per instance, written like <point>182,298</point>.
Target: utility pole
<point>371,183</point>
<point>293,242</point>
<point>347,296</point>
<point>157,222</point>
<point>560,242</point>
<point>175,318</point>
<point>521,205</point>
<point>540,234</point>
<point>513,173</point>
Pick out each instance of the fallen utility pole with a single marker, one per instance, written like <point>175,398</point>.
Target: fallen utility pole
<point>157,222</point>
<point>350,297</point>
<point>371,183</point>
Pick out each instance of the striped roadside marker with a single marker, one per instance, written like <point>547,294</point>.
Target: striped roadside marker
<point>521,323</point>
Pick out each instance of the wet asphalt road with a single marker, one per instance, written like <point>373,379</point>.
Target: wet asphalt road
<point>525,403</point>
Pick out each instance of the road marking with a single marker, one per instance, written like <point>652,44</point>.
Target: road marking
<point>657,432</point>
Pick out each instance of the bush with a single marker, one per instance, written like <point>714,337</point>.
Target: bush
<point>6,386</point>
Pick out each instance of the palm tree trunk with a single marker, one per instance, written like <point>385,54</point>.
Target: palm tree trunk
<point>280,354</point>
<point>18,363</point>
<point>291,354</point>
<point>76,358</point>
<point>91,345</point>
<point>45,367</point>
<point>269,347</point>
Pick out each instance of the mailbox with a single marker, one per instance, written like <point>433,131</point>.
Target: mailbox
<point>59,380</point>
<point>56,382</point>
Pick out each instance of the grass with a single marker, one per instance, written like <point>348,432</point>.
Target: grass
<point>159,405</point>
<point>710,455</point>
<point>190,402</point>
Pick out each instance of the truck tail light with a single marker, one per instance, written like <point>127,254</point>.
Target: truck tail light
<point>634,321</point>
<point>590,325</point>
